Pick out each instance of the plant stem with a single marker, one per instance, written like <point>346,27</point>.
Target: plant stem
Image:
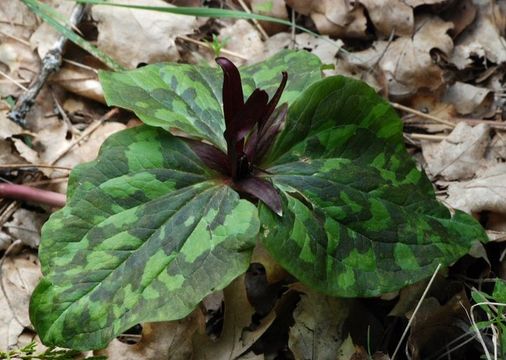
<point>27,193</point>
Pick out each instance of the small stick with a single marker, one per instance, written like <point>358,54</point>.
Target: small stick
<point>27,193</point>
<point>421,114</point>
<point>50,64</point>
<point>14,81</point>
<point>42,166</point>
<point>426,136</point>
<point>416,310</point>
<point>257,24</point>
<point>89,130</point>
<point>207,46</point>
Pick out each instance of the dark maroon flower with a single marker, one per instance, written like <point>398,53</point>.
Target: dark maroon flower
<point>250,128</point>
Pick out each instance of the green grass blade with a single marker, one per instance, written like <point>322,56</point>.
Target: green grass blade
<point>203,12</point>
<point>54,19</point>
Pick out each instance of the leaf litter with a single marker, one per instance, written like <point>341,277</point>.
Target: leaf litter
<point>441,58</point>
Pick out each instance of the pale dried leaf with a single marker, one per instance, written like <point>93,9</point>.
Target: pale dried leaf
<point>19,275</point>
<point>44,38</point>
<point>243,38</point>
<point>16,20</point>
<point>25,226</point>
<point>135,36</point>
<point>5,240</point>
<point>469,99</point>
<point>390,16</point>
<point>8,127</point>
<point>19,62</point>
<point>80,81</point>
<point>461,15</point>
<point>317,332</point>
<point>459,156</point>
<point>162,340</point>
<point>234,339</point>
<point>406,64</point>
<point>333,17</point>
<point>483,38</point>
<point>486,192</point>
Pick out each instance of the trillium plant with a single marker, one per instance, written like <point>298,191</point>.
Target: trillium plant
<point>313,169</point>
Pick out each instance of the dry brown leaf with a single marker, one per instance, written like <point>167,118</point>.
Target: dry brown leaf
<point>19,62</point>
<point>430,105</point>
<point>462,14</point>
<point>25,226</point>
<point>323,47</point>
<point>483,39</point>
<point>333,17</point>
<point>162,340</point>
<point>8,127</point>
<point>234,339</point>
<point>135,36</point>
<point>275,8</point>
<point>44,38</point>
<point>317,332</point>
<point>80,81</point>
<point>243,38</point>
<point>390,16</point>
<point>460,155</point>
<point>274,271</point>
<point>470,100</point>
<point>16,20</point>
<point>7,155</point>
<point>486,192</point>
<point>19,276</point>
<point>435,326</point>
<point>406,64</point>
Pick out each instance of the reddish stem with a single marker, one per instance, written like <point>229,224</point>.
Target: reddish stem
<point>27,193</point>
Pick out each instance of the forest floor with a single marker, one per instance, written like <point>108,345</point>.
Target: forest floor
<point>440,63</point>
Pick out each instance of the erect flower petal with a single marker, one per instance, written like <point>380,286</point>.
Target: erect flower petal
<point>275,99</point>
<point>262,190</point>
<point>268,133</point>
<point>248,116</point>
<point>233,98</point>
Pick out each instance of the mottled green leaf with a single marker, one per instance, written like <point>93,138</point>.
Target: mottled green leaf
<point>147,233</point>
<point>187,98</point>
<point>358,218</point>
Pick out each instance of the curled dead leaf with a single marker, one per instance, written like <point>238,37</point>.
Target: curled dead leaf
<point>483,39</point>
<point>406,64</point>
<point>458,156</point>
<point>333,17</point>
<point>486,192</point>
<point>469,99</point>
<point>390,16</point>
<point>135,36</point>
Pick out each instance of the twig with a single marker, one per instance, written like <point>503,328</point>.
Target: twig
<point>207,46</point>
<point>292,32</point>
<point>427,137</point>
<point>27,193</point>
<point>50,64</point>
<point>415,311</point>
<point>421,114</point>
<point>89,130</point>
<point>255,21</point>
<point>14,81</point>
<point>24,166</point>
